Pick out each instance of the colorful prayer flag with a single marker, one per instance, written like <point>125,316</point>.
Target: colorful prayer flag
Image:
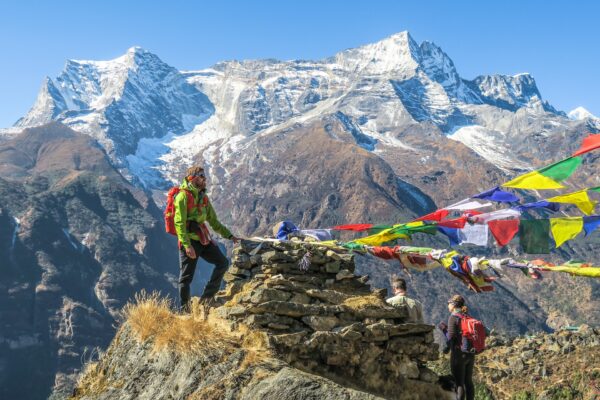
<point>474,234</point>
<point>378,229</point>
<point>504,230</point>
<point>467,204</point>
<point>453,223</point>
<point>499,214</point>
<point>496,194</point>
<point>377,240</point>
<point>564,229</point>
<point>591,223</point>
<point>547,177</point>
<point>539,204</point>
<point>452,234</point>
<point>579,198</point>
<point>353,227</point>
<point>534,235</point>
<point>437,215</point>
<point>589,143</point>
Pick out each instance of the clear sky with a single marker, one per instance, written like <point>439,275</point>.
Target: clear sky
<point>556,41</point>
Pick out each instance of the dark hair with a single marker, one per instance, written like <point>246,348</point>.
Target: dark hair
<point>194,170</point>
<point>399,284</point>
<point>459,302</point>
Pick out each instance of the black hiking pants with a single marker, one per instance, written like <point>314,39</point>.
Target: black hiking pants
<point>187,266</point>
<point>461,365</point>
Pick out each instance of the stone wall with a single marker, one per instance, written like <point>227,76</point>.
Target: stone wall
<point>321,318</point>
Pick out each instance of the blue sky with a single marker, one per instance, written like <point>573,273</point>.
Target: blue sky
<point>556,41</point>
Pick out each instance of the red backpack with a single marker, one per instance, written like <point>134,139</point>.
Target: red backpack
<point>473,334</point>
<point>170,209</point>
<point>169,213</point>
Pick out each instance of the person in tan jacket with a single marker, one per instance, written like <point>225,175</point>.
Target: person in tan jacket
<point>415,309</point>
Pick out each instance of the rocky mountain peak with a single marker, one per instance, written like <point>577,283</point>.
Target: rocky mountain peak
<point>120,101</point>
<point>396,53</point>
<point>581,113</point>
<point>508,92</point>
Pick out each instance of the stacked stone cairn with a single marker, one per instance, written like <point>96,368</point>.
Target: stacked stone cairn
<point>320,317</point>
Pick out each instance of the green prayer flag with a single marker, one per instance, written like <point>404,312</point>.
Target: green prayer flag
<point>375,229</point>
<point>534,235</point>
<point>562,169</point>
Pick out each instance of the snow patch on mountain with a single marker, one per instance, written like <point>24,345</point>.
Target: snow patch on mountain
<point>489,144</point>
<point>15,233</point>
<point>155,158</point>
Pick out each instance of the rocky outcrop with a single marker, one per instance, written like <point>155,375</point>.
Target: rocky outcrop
<point>323,333</point>
<point>545,366</point>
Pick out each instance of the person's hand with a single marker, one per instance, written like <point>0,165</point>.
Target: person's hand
<point>190,252</point>
<point>442,327</point>
<point>235,239</point>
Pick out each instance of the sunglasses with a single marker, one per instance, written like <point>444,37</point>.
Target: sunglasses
<point>201,175</point>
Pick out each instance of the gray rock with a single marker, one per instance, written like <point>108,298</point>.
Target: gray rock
<point>291,384</point>
<point>321,323</point>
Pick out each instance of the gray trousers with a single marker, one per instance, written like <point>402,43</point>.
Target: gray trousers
<point>187,266</point>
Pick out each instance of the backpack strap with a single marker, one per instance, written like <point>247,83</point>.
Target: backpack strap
<point>190,199</point>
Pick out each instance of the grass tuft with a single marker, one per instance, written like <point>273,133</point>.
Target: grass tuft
<point>151,318</point>
<point>362,302</point>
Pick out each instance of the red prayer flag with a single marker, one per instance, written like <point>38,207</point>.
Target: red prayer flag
<point>353,227</point>
<point>504,230</point>
<point>589,143</point>
<point>387,253</point>
<point>457,223</point>
<point>437,215</point>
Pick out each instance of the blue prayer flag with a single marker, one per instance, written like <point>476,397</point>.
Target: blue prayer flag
<point>591,223</point>
<point>452,234</point>
<point>496,194</point>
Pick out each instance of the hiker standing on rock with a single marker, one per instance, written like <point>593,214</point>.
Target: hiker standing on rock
<point>415,309</point>
<point>462,359</point>
<point>191,209</point>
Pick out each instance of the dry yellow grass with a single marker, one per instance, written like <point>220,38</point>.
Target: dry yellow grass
<point>362,302</point>
<point>151,318</point>
<point>93,380</point>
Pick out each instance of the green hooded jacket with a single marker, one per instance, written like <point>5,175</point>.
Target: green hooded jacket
<point>199,214</point>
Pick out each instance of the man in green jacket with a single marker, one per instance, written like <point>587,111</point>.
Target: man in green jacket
<point>194,238</point>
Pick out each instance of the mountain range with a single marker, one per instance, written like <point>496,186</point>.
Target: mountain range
<point>380,133</point>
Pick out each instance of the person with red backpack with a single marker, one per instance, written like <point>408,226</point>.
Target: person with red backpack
<point>465,337</point>
<point>188,208</point>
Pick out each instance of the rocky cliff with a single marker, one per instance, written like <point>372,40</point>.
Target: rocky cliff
<point>297,323</point>
<point>77,240</point>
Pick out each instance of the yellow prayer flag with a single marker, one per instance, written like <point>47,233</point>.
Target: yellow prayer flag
<point>579,198</point>
<point>380,238</point>
<point>533,180</point>
<point>590,272</point>
<point>564,229</point>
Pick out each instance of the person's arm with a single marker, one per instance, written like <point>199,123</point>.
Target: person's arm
<point>212,219</point>
<point>180,219</point>
<point>453,331</point>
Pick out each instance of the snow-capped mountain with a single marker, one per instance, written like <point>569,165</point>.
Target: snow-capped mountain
<point>120,101</point>
<point>149,116</point>
<point>580,113</point>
